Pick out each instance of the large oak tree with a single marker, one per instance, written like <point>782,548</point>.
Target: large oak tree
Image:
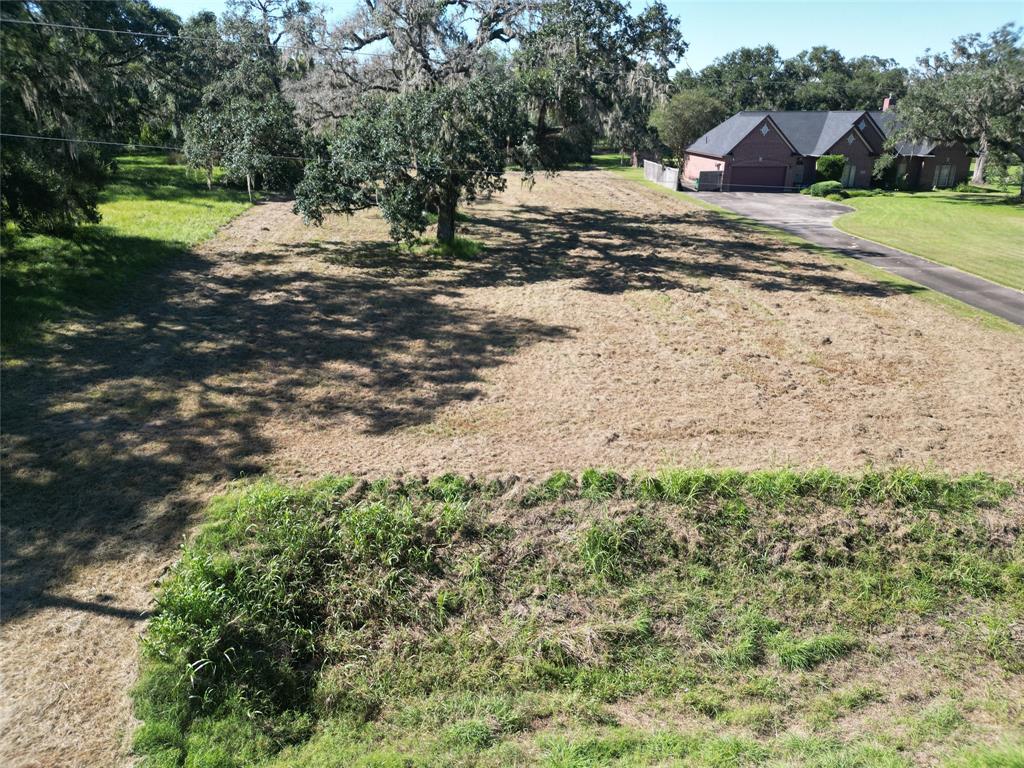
<point>972,94</point>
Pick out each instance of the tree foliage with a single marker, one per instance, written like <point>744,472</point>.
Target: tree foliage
<point>72,84</point>
<point>244,123</point>
<point>819,78</point>
<point>416,152</point>
<point>396,46</point>
<point>687,116</point>
<point>971,94</point>
<point>593,63</point>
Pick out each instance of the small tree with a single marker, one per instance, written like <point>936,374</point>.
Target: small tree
<point>418,151</point>
<point>245,123</point>
<point>830,167</point>
<point>685,117</point>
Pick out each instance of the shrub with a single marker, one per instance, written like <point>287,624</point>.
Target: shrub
<point>837,196</point>
<point>830,167</point>
<point>823,188</point>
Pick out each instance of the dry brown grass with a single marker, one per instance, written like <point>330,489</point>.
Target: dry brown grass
<point>605,324</point>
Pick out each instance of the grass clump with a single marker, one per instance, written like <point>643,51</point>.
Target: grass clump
<point>459,248</point>
<point>613,550</point>
<point>807,654</point>
<point>452,621</point>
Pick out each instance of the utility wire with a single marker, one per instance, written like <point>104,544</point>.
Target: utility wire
<point>132,145</point>
<point>168,36</point>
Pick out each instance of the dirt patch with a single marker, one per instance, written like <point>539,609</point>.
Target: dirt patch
<point>605,324</point>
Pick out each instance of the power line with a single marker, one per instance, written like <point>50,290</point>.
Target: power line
<point>168,36</point>
<point>132,145</point>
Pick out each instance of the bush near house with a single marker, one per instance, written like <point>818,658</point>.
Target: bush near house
<point>823,189</point>
<point>492,623</point>
<point>830,167</point>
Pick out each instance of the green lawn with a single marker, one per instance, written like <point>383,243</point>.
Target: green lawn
<point>152,212</point>
<point>689,618</point>
<point>620,164</point>
<point>978,232</point>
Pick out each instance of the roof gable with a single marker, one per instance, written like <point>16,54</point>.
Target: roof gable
<point>720,140</point>
<point>808,133</point>
<point>849,138</point>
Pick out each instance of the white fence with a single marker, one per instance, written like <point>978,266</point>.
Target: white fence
<point>661,174</point>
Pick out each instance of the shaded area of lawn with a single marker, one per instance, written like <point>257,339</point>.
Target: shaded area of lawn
<point>152,212</point>
<point>978,232</point>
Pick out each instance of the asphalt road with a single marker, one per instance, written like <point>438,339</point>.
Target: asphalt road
<point>811,218</point>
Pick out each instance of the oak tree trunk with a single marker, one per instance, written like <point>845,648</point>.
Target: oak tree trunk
<point>979,165</point>
<point>248,185</point>
<point>446,216</point>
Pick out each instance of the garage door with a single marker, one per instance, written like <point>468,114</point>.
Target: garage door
<point>758,179</point>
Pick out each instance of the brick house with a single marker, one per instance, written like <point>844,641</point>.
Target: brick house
<point>777,151</point>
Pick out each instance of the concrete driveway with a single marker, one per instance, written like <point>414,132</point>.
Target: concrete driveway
<point>811,218</point>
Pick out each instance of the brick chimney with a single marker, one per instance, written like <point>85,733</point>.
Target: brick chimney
<point>887,103</point>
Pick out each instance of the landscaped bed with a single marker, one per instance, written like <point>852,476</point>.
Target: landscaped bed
<point>684,618</point>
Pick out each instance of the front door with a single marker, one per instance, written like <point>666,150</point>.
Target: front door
<point>945,176</point>
<point>849,177</point>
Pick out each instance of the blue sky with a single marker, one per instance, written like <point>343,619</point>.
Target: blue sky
<point>898,30</point>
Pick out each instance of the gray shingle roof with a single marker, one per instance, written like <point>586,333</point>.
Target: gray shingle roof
<point>720,140</point>
<point>887,122</point>
<point>812,133</point>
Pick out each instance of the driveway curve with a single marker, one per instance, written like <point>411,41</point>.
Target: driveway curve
<point>812,219</point>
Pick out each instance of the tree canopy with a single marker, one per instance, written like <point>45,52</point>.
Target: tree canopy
<point>819,78</point>
<point>418,151</point>
<point>243,121</point>
<point>687,116</point>
<point>72,84</point>
<point>973,94</point>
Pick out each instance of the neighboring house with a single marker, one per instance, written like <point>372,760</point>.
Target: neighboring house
<point>777,151</point>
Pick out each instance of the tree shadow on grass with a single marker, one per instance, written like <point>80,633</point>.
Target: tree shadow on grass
<point>107,424</point>
<point>122,412</point>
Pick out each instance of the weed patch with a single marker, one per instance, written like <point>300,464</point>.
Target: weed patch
<point>449,622</point>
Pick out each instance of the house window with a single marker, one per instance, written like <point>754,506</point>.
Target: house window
<point>862,125</point>
<point>764,130</point>
<point>849,139</point>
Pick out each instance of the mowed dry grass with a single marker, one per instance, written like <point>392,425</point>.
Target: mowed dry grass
<point>606,324</point>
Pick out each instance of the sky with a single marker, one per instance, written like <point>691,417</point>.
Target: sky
<point>899,30</point>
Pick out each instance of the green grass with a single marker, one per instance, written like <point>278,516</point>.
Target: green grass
<point>687,617</point>
<point>619,164</point>
<point>978,232</point>
<point>152,213</point>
